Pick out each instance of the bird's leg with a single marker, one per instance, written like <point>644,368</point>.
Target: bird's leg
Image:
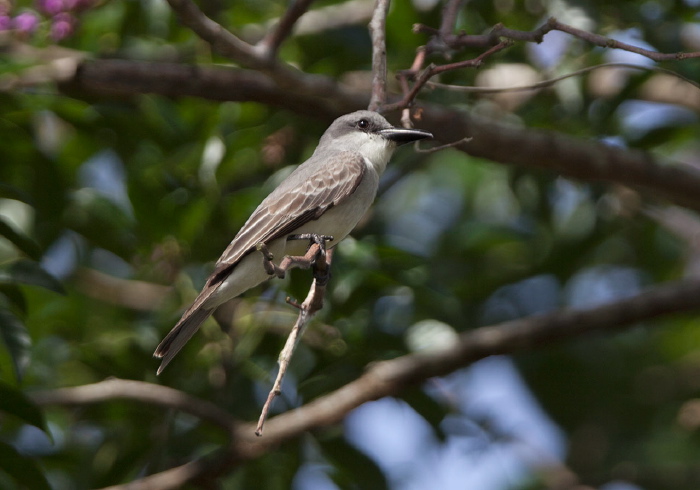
<point>320,240</point>
<point>321,270</point>
<point>269,266</point>
<point>317,248</point>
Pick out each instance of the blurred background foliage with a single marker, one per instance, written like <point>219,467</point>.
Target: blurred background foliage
<point>113,211</point>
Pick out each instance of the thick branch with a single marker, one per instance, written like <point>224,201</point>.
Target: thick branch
<point>574,157</point>
<point>581,159</point>
<point>385,378</point>
<point>314,96</point>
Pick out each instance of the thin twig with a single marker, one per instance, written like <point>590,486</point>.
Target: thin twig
<point>221,39</point>
<point>122,389</point>
<point>552,81</point>
<point>311,305</point>
<point>433,149</point>
<point>449,17</point>
<point>270,44</point>
<point>377,29</point>
<point>499,31</point>
<point>433,70</point>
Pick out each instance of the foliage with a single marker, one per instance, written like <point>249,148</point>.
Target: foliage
<point>113,209</point>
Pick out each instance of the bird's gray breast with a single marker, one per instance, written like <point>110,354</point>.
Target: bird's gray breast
<point>339,220</point>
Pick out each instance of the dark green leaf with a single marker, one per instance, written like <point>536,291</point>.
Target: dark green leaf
<point>19,240</point>
<point>16,338</point>
<point>15,402</point>
<point>353,469</point>
<point>29,272</point>
<point>9,192</point>
<point>15,296</point>
<point>22,469</point>
<point>432,411</point>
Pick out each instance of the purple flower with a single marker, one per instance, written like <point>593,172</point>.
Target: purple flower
<point>51,7</point>
<point>26,22</point>
<point>5,22</point>
<point>62,26</point>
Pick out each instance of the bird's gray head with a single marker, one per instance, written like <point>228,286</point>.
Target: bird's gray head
<point>369,134</point>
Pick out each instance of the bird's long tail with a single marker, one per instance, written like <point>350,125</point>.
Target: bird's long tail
<point>180,334</point>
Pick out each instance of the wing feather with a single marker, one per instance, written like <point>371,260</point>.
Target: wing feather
<point>316,187</point>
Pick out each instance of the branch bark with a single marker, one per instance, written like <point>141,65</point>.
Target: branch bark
<point>377,29</point>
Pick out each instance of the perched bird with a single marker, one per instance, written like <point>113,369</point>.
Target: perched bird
<point>326,195</point>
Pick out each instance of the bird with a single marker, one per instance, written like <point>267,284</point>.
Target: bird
<point>326,196</point>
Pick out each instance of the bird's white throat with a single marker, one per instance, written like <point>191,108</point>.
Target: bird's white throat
<point>377,151</point>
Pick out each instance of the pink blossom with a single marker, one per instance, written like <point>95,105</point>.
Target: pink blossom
<point>26,22</point>
<point>5,22</point>
<point>51,7</point>
<point>62,26</point>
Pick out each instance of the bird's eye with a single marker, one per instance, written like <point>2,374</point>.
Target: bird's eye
<point>363,124</point>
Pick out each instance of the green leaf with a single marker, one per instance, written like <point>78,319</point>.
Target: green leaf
<point>15,402</point>
<point>351,467</point>
<point>23,469</point>
<point>15,296</point>
<point>17,340</point>
<point>10,192</point>
<point>29,272</point>
<point>426,406</point>
<point>19,240</point>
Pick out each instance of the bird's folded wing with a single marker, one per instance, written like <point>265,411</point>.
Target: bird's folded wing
<point>312,189</point>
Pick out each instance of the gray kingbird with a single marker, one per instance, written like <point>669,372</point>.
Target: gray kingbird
<point>326,195</point>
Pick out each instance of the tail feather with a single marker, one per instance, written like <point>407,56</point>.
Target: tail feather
<point>180,334</point>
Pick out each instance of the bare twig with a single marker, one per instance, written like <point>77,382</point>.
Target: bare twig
<point>221,39</point>
<point>270,44</point>
<point>444,40</point>
<point>433,149</point>
<point>318,20</point>
<point>552,81</point>
<point>377,28</point>
<point>130,293</point>
<point>122,389</point>
<point>449,17</point>
<point>433,70</point>
<point>311,305</point>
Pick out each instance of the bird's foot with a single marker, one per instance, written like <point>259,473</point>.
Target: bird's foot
<point>314,238</point>
<point>270,267</point>
<point>317,248</point>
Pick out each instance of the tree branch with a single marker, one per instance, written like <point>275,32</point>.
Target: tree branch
<point>311,305</point>
<point>273,40</point>
<point>221,39</point>
<point>151,394</point>
<point>377,29</point>
<point>586,160</point>
<point>386,378</point>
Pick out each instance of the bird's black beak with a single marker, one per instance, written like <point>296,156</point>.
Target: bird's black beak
<point>402,136</point>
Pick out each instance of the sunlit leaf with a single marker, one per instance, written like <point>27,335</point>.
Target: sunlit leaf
<point>10,192</point>
<point>19,240</point>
